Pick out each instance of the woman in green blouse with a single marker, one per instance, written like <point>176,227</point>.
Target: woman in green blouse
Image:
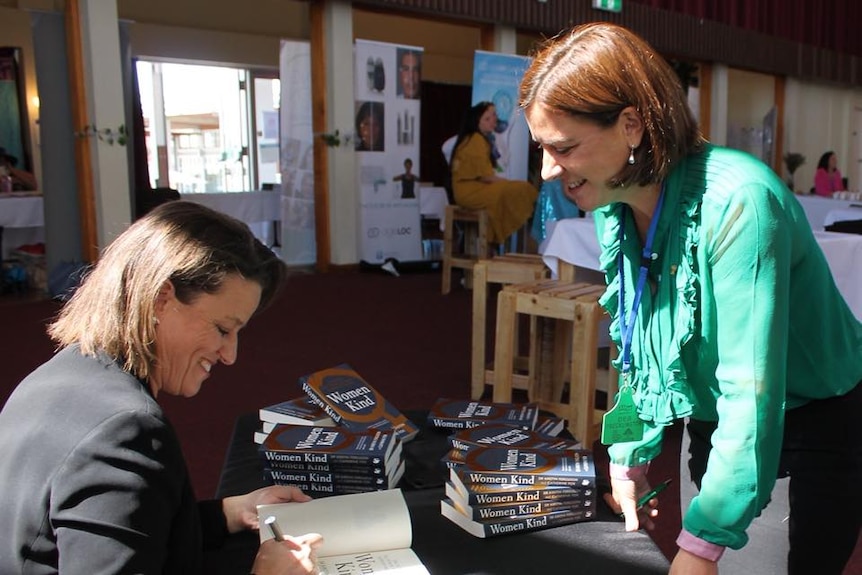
<point>722,305</point>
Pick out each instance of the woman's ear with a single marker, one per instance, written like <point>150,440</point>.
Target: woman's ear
<point>166,294</point>
<point>632,125</point>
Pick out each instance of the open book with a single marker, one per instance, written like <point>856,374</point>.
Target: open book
<point>363,532</point>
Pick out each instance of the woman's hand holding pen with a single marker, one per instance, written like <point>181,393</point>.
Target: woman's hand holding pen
<point>633,499</point>
<point>290,556</point>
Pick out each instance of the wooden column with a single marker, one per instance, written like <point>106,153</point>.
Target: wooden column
<point>80,121</point>
<point>318,125</point>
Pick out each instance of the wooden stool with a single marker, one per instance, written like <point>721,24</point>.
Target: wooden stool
<point>575,309</point>
<point>475,242</point>
<point>505,269</point>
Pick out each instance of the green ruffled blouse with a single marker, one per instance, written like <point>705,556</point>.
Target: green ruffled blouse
<point>741,320</point>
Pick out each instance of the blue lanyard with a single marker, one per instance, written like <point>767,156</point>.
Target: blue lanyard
<point>627,326</point>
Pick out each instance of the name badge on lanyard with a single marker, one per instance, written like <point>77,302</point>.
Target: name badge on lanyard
<point>621,423</point>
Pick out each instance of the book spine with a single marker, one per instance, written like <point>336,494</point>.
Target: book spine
<point>273,457</point>
<point>535,522</point>
<point>324,489</point>
<point>336,417</point>
<point>370,470</point>
<point>490,512</point>
<point>341,479</point>
<point>511,497</point>
<point>544,478</point>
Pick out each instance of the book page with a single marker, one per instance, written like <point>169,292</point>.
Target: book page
<point>394,562</point>
<point>372,521</point>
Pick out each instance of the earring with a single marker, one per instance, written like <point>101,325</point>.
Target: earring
<point>632,156</point>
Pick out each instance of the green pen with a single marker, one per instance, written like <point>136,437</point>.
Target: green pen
<point>652,493</point>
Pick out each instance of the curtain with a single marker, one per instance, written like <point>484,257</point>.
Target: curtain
<point>830,24</point>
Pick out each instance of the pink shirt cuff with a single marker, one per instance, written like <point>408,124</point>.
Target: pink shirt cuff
<point>626,472</point>
<point>699,547</point>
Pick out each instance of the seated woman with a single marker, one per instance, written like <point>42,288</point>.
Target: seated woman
<point>99,483</point>
<point>475,183</point>
<point>827,178</point>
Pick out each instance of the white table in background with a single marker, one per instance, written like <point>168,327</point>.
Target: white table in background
<point>574,241</point>
<point>850,213</point>
<point>817,208</point>
<point>259,209</point>
<point>22,219</point>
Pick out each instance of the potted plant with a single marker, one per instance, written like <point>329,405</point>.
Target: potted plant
<point>792,160</point>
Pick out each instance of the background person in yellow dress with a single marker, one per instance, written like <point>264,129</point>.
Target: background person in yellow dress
<point>475,183</point>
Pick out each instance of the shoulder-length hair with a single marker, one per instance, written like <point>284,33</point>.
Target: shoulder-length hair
<point>470,126</point>
<point>823,162</point>
<point>193,247</point>
<point>596,71</point>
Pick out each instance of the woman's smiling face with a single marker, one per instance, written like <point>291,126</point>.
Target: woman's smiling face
<point>582,154</point>
<point>192,338</point>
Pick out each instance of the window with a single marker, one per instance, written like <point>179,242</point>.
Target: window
<point>198,128</point>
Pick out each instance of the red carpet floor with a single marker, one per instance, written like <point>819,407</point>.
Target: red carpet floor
<point>400,334</point>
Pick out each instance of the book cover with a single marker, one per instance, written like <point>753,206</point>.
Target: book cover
<point>371,528</point>
<point>297,411</point>
<point>548,425</point>
<point>353,403</point>
<point>501,434</point>
<point>484,512</point>
<point>511,465</point>
<point>463,414</point>
<point>494,494</point>
<point>328,445</point>
<point>510,525</point>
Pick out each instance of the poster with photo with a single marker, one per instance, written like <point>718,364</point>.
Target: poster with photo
<point>388,95</point>
<point>496,78</point>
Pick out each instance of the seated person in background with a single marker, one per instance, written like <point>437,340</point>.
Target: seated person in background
<point>827,178</point>
<point>99,483</point>
<point>475,183</point>
<point>22,180</point>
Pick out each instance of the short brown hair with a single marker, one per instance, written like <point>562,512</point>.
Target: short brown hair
<point>597,70</point>
<point>192,246</point>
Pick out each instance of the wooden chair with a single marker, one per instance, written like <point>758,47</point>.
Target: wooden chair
<point>475,224</point>
<point>504,269</point>
<point>576,313</point>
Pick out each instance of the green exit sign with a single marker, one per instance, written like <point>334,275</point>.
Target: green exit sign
<point>609,5</point>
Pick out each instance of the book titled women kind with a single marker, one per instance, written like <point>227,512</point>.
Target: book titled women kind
<point>351,402</point>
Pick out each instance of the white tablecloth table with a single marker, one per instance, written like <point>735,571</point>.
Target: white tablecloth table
<point>573,241</point>
<point>817,208</point>
<point>258,209</point>
<point>22,219</point>
<point>432,203</point>
<point>850,213</point>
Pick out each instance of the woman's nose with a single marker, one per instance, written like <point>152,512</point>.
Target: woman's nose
<point>228,351</point>
<point>550,168</point>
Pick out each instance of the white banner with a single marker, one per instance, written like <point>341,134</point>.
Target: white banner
<point>496,78</point>
<point>296,164</point>
<point>387,147</point>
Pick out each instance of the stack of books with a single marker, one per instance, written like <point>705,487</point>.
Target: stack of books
<point>342,437</point>
<point>297,411</point>
<point>463,414</point>
<point>499,490</point>
<point>332,460</point>
<point>500,434</point>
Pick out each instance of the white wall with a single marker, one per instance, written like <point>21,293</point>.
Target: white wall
<point>819,118</point>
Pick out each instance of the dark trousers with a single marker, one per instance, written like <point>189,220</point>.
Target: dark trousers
<point>822,455</point>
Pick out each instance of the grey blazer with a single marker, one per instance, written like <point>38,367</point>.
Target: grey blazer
<point>92,476</point>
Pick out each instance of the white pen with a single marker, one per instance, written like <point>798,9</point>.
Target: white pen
<point>273,526</point>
